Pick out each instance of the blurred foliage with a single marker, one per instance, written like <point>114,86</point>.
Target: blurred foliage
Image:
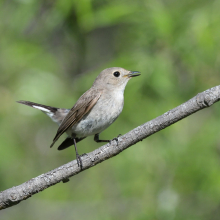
<point>51,52</point>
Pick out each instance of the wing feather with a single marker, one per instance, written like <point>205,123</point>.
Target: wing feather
<point>84,104</point>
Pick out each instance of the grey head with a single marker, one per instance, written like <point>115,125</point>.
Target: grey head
<point>114,78</point>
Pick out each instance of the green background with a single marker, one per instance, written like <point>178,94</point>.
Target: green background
<point>51,52</point>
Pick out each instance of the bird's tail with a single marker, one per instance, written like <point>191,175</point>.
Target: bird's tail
<point>44,108</point>
<point>56,114</point>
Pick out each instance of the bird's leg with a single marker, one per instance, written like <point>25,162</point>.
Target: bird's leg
<point>96,138</point>
<point>78,158</point>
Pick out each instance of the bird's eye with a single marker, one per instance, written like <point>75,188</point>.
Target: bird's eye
<point>116,74</point>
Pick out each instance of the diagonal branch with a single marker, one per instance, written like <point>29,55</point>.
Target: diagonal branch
<point>16,194</point>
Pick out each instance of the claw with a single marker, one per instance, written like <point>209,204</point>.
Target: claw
<point>115,139</point>
<point>79,161</point>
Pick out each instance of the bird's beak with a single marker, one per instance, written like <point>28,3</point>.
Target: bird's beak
<point>133,74</point>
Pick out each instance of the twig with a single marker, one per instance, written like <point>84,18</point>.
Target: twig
<point>16,194</point>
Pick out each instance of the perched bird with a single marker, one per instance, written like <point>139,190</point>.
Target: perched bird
<point>94,111</point>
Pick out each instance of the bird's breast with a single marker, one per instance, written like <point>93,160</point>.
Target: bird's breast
<point>102,115</point>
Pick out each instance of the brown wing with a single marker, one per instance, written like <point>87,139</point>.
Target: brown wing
<point>81,108</point>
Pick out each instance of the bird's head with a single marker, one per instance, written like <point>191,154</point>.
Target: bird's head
<point>114,78</point>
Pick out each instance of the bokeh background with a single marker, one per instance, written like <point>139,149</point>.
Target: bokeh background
<point>50,53</point>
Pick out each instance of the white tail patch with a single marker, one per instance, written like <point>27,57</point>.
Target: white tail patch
<point>41,108</point>
<point>50,114</point>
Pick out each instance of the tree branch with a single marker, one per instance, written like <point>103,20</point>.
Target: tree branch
<point>22,192</point>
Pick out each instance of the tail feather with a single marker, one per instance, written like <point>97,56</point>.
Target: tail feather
<point>56,114</point>
<point>44,108</point>
<point>69,142</point>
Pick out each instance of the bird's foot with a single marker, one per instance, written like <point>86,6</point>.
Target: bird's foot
<point>115,139</point>
<point>79,161</point>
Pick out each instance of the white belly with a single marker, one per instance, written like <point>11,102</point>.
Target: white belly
<point>101,116</point>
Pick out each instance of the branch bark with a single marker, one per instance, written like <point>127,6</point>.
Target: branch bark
<point>14,195</point>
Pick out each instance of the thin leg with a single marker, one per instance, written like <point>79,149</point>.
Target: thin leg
<point>96,138</point>
<point>78,158</point>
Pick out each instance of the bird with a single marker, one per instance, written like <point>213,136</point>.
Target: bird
<point>93,112</point>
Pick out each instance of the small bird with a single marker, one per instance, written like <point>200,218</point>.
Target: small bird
<point>94,111</point>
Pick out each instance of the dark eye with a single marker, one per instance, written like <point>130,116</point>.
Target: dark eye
<point>116,74</point>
